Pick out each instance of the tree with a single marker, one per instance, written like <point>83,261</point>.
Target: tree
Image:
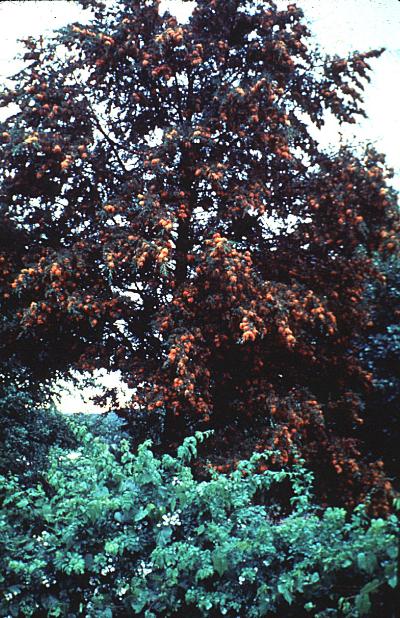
<point>139,174</point>
<point>27,432</point>
<point>380,353</point>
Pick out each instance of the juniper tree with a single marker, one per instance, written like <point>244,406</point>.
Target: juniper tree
<point>140,176</point>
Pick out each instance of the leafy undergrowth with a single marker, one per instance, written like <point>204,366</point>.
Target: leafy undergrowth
<point>110,533</point>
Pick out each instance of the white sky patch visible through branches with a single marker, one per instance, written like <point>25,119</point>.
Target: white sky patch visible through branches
<point>339,27</point>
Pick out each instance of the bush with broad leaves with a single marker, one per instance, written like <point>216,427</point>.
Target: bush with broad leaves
<point>110,533</point>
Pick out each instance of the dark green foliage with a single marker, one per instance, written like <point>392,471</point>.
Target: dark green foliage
<point>132,534</point>
<point>27,431</point>
<point>381,354</point>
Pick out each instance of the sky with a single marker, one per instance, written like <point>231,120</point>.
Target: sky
<point>339,26</point>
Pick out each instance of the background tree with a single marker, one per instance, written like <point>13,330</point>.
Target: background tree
<point>139,174</point>
<point>27,432</point>
<point>380,353</point>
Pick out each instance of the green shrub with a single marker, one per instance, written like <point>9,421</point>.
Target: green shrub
<point>107,426</point>
<point>111,533</point>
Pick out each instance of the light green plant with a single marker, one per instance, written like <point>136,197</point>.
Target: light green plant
<point>111,533</point>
